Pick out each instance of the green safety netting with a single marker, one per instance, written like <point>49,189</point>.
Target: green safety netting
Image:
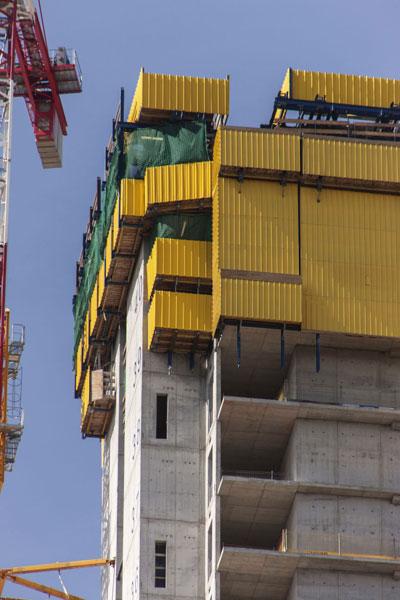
<point>170,143</point>
<point>185,226</point>
<point>95,250</point>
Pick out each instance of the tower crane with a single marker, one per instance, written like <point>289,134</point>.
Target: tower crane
<point>28,70</point>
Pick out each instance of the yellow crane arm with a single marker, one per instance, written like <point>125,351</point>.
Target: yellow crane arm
<point>56,566</point>
<point>39,587</point>
<point>10,574</point>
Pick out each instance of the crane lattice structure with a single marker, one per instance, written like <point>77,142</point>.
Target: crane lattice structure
<point>28,70</point>
<point>13,575</point>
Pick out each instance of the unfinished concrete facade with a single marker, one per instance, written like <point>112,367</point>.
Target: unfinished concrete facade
<point>272,496</point>
<point>249,301</point>
<point>155,485</point>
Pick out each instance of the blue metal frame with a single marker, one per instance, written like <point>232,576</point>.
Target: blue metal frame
<point>335,110</point>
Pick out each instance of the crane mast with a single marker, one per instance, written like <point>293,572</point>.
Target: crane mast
<point>28,70</point>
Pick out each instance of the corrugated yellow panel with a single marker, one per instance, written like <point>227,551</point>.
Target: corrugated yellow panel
<point>216,164</point>
<point>173,183</point>
<point>85,395</point>
<point>78,364</point>
<point>285,87</point>
<point>352,160</point>
<point>132,198</point>
<point>216,273</point>
<point>174,310</point>
<point>151,268</point>
<point>284,91</point>
<point>157,92</point>
<point>137,101</point>
<point>258,149</point>
<point>261,300</point>
<point>178,258</point>
<point>115,223</point>
<point>345,89</point>
<point>101,282</point>
<point>108,252</point>
<point>258,226</point>
<point>350,254</point>
<point>93,305</point>
<point>86,335</point>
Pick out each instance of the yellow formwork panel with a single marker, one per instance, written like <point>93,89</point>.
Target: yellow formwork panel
<point>178,258</point>
<point>351,160</point>
<point>132,198</point>
<point>115,222</point>
<point>175,310</point>
<point>285,91</point>
<point>258,226</point>
<point>173,183</point>
<point>93,306</point>
<point>101,282</point>
<point>86,335</point>
<point>157,92</point>
<point>261,300</point>
<point>343,89</point>
<point>256,149</point>
<point>108,251</point>
<point>85,395</point>
<point>349,258</point>
<point>216,273</point>
<point>78,364</point>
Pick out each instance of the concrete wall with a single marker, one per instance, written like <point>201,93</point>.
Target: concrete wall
<point>163,478</point>
<point>354,454</point>
<point>112,486</point>
<point>133,429</point>
<point>172,478</point>
<point>346,376</point>
<point>328,585</point>
<point>344,524</point>
<point>212,545</point>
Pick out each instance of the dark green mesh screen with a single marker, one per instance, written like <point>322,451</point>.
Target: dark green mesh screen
<point>169,144</point>
<point>185,226</point>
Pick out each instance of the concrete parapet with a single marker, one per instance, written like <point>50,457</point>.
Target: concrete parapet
<point>344,526</point>
<point>330,585</point>
<point>350,376</point>
<point>336,452</point>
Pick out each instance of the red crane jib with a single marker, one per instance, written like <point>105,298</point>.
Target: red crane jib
<point>39,78</point>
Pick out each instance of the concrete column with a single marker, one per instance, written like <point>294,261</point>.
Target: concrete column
<point>112,483</point>
<point>213,476</point>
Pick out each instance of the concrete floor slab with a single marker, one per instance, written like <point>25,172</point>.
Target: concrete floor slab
<point>248,573</point>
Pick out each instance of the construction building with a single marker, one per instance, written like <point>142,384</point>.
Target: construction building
<point>237,329</point>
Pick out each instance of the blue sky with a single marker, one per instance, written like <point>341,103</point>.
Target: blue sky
<point>50,505</point>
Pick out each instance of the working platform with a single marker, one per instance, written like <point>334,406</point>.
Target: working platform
<point>66,69</point>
